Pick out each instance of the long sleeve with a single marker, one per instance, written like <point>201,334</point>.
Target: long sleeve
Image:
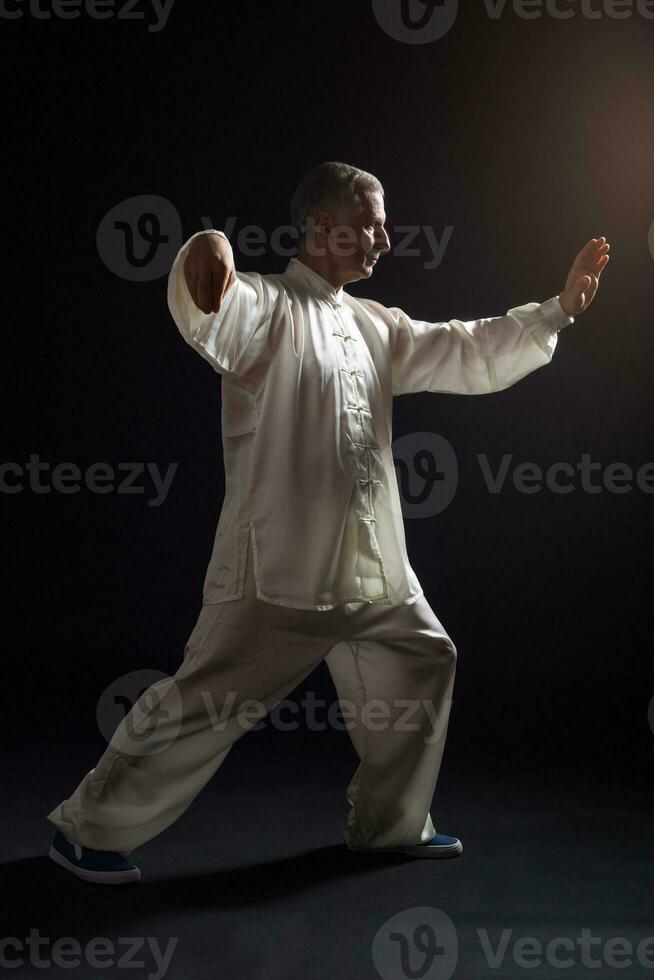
<point>472,357</point>
<point>234,340</point>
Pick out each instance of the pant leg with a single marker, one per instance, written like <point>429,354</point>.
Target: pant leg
<point>181,729</point>
<point>397,669</point>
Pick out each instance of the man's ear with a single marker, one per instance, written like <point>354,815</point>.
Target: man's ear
<point>323,222</point>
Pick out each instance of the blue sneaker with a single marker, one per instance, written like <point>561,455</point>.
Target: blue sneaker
<point>101,867</point>
<point>440,846</point>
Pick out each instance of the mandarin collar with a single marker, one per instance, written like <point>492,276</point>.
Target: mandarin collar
<point>315,283</point>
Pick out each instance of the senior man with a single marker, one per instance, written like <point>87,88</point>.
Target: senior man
<point>309,560</point>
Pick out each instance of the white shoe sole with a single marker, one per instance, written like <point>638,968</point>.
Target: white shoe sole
<point>97,877</point>
<point>416,850</point>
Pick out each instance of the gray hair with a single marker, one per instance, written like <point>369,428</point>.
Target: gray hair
<point>329,187</point>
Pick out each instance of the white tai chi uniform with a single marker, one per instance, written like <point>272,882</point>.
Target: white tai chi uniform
<point>309,559</point>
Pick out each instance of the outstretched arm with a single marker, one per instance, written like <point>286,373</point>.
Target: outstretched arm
<point>477,357</point>
<point>221,313</point>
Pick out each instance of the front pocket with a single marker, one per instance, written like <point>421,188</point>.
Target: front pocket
<point>239,410</point>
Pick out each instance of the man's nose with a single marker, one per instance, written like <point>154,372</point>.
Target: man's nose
<point>383,242</point>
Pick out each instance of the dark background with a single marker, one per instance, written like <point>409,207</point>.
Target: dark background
<point>527,136</point>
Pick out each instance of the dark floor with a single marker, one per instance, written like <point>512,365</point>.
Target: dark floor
<point>254,880</point>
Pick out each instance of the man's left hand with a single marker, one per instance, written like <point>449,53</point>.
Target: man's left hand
<point>583,278</point>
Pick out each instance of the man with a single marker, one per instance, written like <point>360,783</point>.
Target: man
<point>309,560</point>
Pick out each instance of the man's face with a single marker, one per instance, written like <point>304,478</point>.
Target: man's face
<point>356,237</point>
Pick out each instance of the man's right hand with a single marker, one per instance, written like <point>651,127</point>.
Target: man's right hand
<point>209,271</point>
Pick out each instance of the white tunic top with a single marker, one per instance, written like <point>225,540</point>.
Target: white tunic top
<point>308,378</point>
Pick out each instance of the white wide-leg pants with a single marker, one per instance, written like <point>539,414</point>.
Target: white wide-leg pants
<point>393,668</point>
